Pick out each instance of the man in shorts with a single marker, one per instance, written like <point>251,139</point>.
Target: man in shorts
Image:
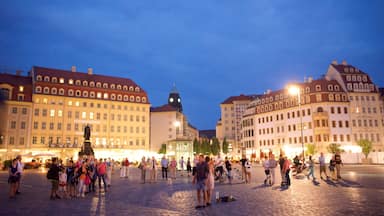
<point>200,179</point>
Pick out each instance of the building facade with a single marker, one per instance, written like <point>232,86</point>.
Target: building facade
<point>64,102</point>
<point>343,107</point>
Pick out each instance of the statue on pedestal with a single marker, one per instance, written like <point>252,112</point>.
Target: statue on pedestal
<point>87,149</point>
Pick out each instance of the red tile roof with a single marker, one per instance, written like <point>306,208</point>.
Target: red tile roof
<point>164,108</point>
<point>15,81</point>
<point>241,97</point>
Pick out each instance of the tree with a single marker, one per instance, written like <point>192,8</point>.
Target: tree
<point>163,149</point>
<point>366,146</point>
<point>196,146</point>
<point>205,147</point>
<point>225,146</point>
<point>215,147</point>
<point>334,148</point>
<point>311,149</point>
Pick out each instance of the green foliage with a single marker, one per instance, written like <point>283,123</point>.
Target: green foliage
<point>163,149</point>
<point>225,146</point>
<point>205,147</point>
<point>334,148</point>
<point>366,146</point>
<point>196,146</point>
<point>215,147</point>
<point>311,149</point>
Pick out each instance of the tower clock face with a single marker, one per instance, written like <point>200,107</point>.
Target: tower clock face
<point>178,100</point>
<point>171,100</point>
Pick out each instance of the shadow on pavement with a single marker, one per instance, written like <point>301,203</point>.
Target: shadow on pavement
<point>348,183</point>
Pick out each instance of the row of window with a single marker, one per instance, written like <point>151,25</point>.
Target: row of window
<point>354,77</point>
<point>88,115</point>
<point>91,94</point>
<point>79,127</point>
<point>86,83</point>
<point>13,125</point>
<point>15,110</point>
<point>362,98</point>
<point>12,141</point>
<point>360,86</point>
<point>366,123</point>
<point>74,141</point>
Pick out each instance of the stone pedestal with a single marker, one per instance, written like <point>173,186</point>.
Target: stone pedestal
<point>86,149</point>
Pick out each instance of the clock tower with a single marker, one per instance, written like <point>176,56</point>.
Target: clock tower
<point>174,99</point>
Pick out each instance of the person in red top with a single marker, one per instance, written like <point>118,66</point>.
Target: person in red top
<point>101,168</point>
<point>286,169</point>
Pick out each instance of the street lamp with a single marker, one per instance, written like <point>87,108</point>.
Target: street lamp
<point>295,91</point>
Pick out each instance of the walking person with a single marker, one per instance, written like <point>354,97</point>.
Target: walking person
<point>153,172</point>
<point>82,170</point>
<point>281,164</point>
<point>332,167</point>
<point>266,169</point>
<point>228,166</point>
<point>243,171</point>
<point>109,164</point>
<point>199,179</point>
<point>181,162</point>
<point>13,178</point>
<point>71,179</point>
<point>189,167</point>
<point>164,167</point>
<point>126,167</point>
<point>311,167</point>
<point>92,175</point>
<point>210,185</point>
<point>143,168</point>
<point>323,165</point>
<point>339,162</point>
<point>248,167</point>
<point>173,166</point>
<point>53,176</point>
<point>286,170</point>
<point>20,168</point>
<point>272,167</point>
<point>122,169</point>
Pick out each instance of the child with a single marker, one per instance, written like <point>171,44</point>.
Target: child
<point>63,183</point>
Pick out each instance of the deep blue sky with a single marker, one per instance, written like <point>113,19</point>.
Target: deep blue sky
<point>210,49</point>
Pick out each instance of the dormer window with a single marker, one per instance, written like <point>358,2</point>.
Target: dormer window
<point>113,96</point>
<point>78,93</point>
<point>46,90</point>
<point>365,79</point>
<point>98,95</point>
<point>92,94</point>
<point>348,78</point>
<point>70,92</point>
<point>38,89</point>
<point>39,78</point>
<point>119,97</point>
<point>137,99</point>
<point>91,84</point>
<point>330,87</point>
<point>105,95</point>
<point>337,88</point>
<point>85,83</point>
<point>143,99</point>
<point>318,88</point>
<point>21,88</point>
<point>46,78</point>
<point>78,82</point>
<point>353,78</point>
<point>125,98</point>
<point>137,89</point>
<point>130,88</point>
<point>125,88</point>
<point>61,80</point>
<point>54,79</point>
<point>61,91</point>
<point>132,98</point>
<point>105,85</point>
<point>307,90</point>
<point>54,91</point>
<point>112,86</point>
<point>85,94</point>
<point>70,82</point>
<point>98,85</point>
<point>119,87</point>
<point>359,78</point>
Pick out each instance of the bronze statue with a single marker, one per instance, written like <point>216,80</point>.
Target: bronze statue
<point>87,133</point>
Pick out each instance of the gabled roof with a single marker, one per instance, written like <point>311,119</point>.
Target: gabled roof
<point>164,108</point>
<point>241,97</point>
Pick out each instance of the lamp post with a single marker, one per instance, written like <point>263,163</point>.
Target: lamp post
<point>295,91</point>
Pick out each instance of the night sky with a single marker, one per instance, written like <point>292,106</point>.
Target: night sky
<point>210,49</point>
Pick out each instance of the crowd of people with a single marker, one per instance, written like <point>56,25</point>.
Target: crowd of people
<point>76,179</point>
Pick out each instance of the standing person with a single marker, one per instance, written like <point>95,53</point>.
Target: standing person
<point>322,166</point>
<point>272,167</point>
<point>173,166</point>
<point>243,171</point>
<point>210,184</point>
<point>63,183</point>
<point>122,169</point>
<point>101,168</point>
<point>281,163</point>
<point>143,168</point>
<point>53,176</point>
<point>164,167</point>
<point>219,166</point>
<point>339,162</point>
<point>332,167</point>
<point>92,175</point>
<point>195,162</point>
<point>13,178</point>
<point>189,167</point>
<point>248,167</point>
<point>181,162</point>
<point>199,179</point>
<point>266,169</point>
<point>109,164</point>
<point>153,165</point>
<point>311,166</point>
<point>126,167</point>
<point>82,176</point>
<point>20,168</point>
<point>286,169</point>
<point>228,166</point>
<point>71,179</point>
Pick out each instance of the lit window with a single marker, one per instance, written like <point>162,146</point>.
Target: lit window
<point>77,103</point>
<point>61,80</point>
<point>69,103</point>
<point>45,100</point>
<point>83,115</point>
<point>60,113</point>
<point>105,95</point>
<point>52,113</point>
<point>21,88</point>
<point>98,95</point>
<point>91,115</point>
<point>70,82</point>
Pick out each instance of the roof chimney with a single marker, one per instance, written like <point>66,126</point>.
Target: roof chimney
<point>310,79</point>
<point>90,71</point>
<point>334,62</point>
<point>73,68</point>
<point>344,63</point>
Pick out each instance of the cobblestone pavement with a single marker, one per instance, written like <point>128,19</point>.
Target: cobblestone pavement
<point>361,192</point>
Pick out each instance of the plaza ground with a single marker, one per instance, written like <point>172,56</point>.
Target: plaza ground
<point>361,192</point>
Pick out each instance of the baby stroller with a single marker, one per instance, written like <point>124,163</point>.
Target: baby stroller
<point>268,178</point>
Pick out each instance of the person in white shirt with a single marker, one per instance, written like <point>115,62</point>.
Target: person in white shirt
<point>266,169</point>
<point>181,162</point>
<point>153,166</point>
<point>219,163</point>
<point>272,167</point>
<point>20,167</point>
